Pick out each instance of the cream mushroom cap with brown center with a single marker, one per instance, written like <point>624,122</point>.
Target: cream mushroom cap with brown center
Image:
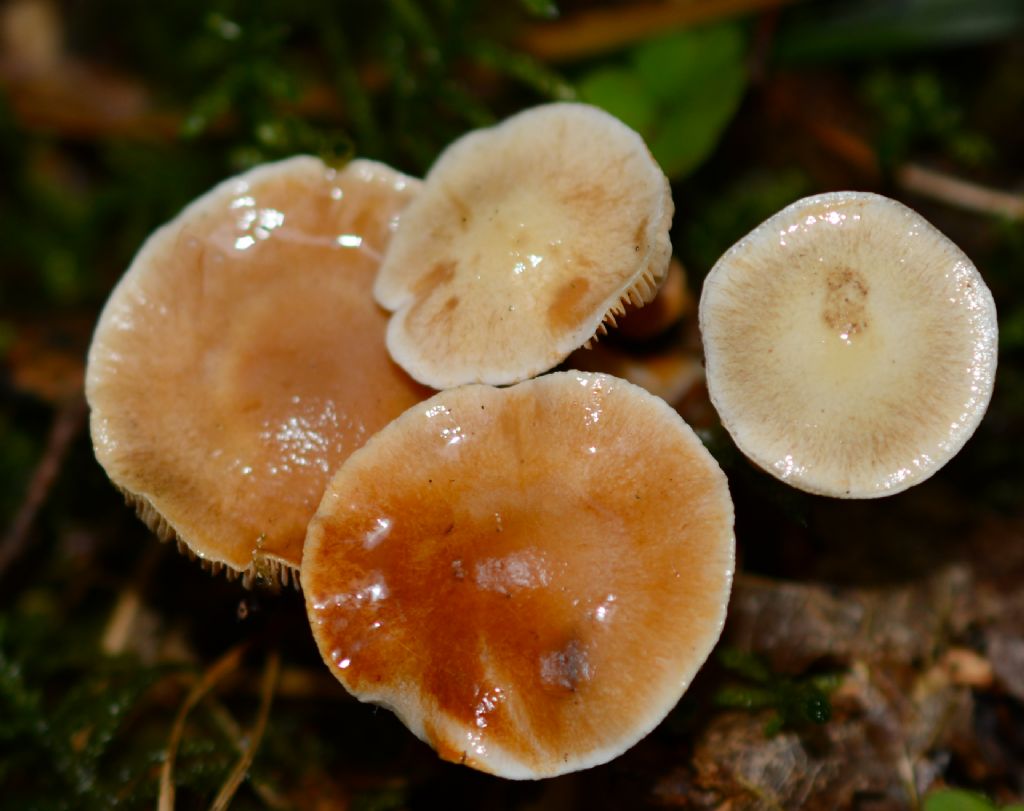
<point>241,358</point>
<point>526,239</point>
<point>850,346</point>
<point>529,577</point>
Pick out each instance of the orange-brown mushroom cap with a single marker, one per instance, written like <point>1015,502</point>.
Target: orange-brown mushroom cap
<point>526,239</point>
<point>241,358</point>
<point>529,577</point>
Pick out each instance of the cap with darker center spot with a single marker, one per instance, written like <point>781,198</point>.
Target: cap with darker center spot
<point>539,229</point>
<point>530,577</point>
<point>241,359</point>
<point>850,346</point>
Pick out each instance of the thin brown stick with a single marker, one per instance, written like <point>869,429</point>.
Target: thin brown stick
<point>66,425</point>
<point>241,768</point>
<point>123,618</point>
<point>222,667</point>
<point>912,177</point>
<point>604,29</point>
<point>960,193</point>
<point>233,731</point>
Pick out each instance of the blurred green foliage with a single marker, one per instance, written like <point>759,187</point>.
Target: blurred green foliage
<point>951,799</point>
<point>251,81</point>
<point>914,113</point>
<point>794,702</point>
<point>62,710</point>
<point>838,29</point>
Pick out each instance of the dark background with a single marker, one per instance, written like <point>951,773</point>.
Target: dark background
<point>874,656</point>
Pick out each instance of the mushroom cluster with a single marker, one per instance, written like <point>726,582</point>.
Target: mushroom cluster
<point>529,576</point>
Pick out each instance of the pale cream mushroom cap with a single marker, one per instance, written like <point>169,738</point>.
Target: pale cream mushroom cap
<point>241,358</point>
<point>529,577</point>
<point>850,346</point>
<point>527,237</point>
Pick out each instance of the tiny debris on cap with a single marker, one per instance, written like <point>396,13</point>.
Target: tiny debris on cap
<point>241,358</point>
<point>527,240</point>
<point>529,577</point>
<point>850,346</point>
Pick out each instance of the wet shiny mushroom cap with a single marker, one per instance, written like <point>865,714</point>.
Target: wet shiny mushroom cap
<point>529,577</point>
<point>241,358</point>
<point>850,346</point>
<point>526,239</point>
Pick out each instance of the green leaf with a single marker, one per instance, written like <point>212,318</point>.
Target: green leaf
<point>678,91</point>
<point>688,134</point>
<point>621,93</point>
<point>954,799</point>
<point>681,64</point>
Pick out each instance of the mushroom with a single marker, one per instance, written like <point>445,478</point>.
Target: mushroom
<point>241,358</point>
<point>850,346</point>
<point>529,577</point>
<point>527,238</point>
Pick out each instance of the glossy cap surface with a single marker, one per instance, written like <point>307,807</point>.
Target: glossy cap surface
<point>527,236</point>
<point>529,577</point>
<point>850,346</point>
<point>241,358</point>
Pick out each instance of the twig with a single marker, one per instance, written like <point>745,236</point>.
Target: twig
<point>233,732</point>
<point>66,425</point>
<point>122,618</point>
<point>222,667</point>
<point>241,767</point>
<point>959,193</point>
<point>944,188</point>
<point>605,29</point>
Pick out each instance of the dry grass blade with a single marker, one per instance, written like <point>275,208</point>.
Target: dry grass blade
<point>237,775</point>
<point>605,29</point>
<point>960,193</point>
<point>66,425</point>
<point>221,668</point>
<point>857,152</point>
<point>233,731</point>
